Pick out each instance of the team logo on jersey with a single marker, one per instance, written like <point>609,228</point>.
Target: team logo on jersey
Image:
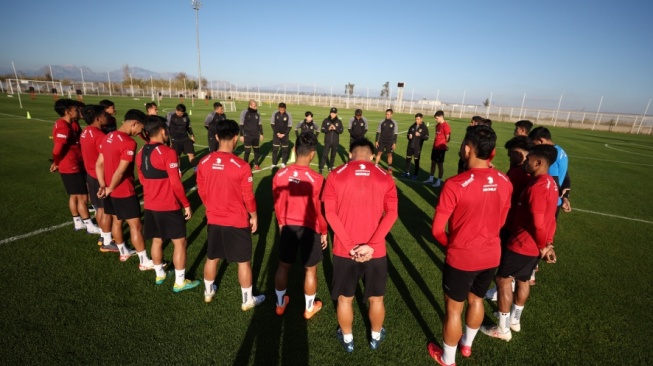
<point>218,164</point>
<point>130,153</point>
<point>311,127</point>
<point>295,174</point>
<point>173,165</point>
<point>294,178</point>
<point>250,179</point>
<point>490,186</point>
<point>362,171</point>
<point>285,119</point>
<point>391,125</point>
<point>62,136</point>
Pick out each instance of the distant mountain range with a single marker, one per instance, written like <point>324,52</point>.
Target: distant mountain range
<point>74,72</point>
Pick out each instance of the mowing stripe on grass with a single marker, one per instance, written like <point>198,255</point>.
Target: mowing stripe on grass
<point>615,216</point>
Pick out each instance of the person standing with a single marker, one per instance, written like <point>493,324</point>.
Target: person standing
<point>164,197</point>
<point>67,160</point>
<point>296,192</point>
<point>417,134</point>
<point>357,126</point>
<point>307,125</point>
<point>251,132</point>
<point>224,183</point>
<point>110,108</point>
<point>90,143</point>
<point>115,172</point>
<point>181,133</point>
<point>531,239</point>
<point>210,123</point>
<point>281,126</point>
<point>474,206</point>
<point>151,109</point>
<point>360,202</point>
<point>332,128</point>
<point>442,138</point>
<point>386,138</point>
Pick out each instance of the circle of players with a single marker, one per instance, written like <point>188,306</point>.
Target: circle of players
<point>499,225</point>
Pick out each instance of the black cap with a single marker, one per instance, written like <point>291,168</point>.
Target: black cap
<point>358,112</point>
<point>334,110</point>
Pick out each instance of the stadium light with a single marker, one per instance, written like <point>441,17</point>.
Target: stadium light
<point>196,6</point>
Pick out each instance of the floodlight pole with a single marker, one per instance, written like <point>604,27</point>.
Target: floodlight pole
<point>197,5</point>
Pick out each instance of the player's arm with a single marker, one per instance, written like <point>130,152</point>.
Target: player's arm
<point>60,137</point>
<point>443,211</point>
<point>247,192</point>
<point>99,171</point>
<point>290,122</point>
<point>117,176</point>
<point>340,128</point>
<point>279,205</point>
<point>172,167</point>
<point>329,198</point>
<point>324,128</point>
<point>189,129</point>
<point>208,120</point>
<point>260,128</point>
<point>200,181</point>
<point>424,135</point>
<point>351,122</point>
<point>391,212</point>
<point>321,220</point>
<point>366,126</point>
<point>448,133</point>
<point>394,136</point>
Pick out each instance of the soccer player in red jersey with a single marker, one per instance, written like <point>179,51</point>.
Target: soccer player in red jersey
<point>91,141</point>
<point>360,202</point>
<point>531,239</point>
<point>296,191</point>
<point>115,172</point>
<point>474,204</point>
<point>442,138</point>
<point>164,197</point>
<point>224,183</point>
<point>67,160</point>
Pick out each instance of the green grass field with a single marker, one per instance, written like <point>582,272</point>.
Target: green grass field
<point>64,302</point>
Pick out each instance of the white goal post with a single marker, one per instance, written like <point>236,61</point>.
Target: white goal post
<point>26,86</point>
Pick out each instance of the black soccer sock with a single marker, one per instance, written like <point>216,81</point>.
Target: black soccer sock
<point>334,152</point>
<point>256,155</point>
<point>416,166</point>
<point>246,156</point>
<point>408,164</point>
<point>284,154</point>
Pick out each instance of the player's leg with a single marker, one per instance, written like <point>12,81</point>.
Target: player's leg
<point>288,246</point>
<point>389,155</point>
<point>378,156</point>
<point>238,249</point>
<point>325,152</point>
<point>284,150</point>
<point>248,149</point>
<point>214,252</point>
<point>416,171</point>
<point>451,328</point>
<point>440,170</point>
<point>275,154</point>
<point>334,152</point>
<point>257,154</point>
<point>310,251</point>
<point>346,274</point>
<point>376,313</point>
<point>432,170</point>
<point>345,314</point>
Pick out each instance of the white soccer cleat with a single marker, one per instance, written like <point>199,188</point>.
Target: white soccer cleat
<point>126,252</point>
<point>253,302</point>
<point>93,229</point>
<point>491,294</point>
<point>146,266</point>
<point>430,180</point>
<point>208,296</point>
<point>495,333</point>
<point>437,183</point>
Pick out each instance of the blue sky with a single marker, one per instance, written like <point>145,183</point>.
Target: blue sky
<point>583,50</point>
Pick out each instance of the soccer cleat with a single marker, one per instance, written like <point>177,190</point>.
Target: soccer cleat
<point>282,308</point>
<point>126,253</point>
<point>495,333</point>
<point>330,169</point>
<point>187,285</point>
<point>80,227</point>
<point>100,241</point>
<point>348,346</point>
<point>437,183</point>
<point>466,351</point>
<point>430,180</point>
<point>436,353</point>
<point>405,175</point>
<point>93,230</point>
<point>317,306</point>
<point>491,294</point>
<point>374,343</point>
<point>208,296</point>
<point>110,248</point>
<point>283,165</point>
<point>162,279</point>
<point>146,266</point>
<point>321,171</point>
<point>256,167</point>
<point>253,302</point>
<point>91,209</point>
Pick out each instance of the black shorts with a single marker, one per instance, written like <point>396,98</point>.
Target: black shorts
<point>516,265</point>
<point>412,152</point>
<point>93,186</point>
<point>213,144</point>
<point>123,208</point>
<point>164,224</point>
<point>183,146</point>
<point>457,284</point>
<point>251,141</point>
<point>230,243</point>
<point>74,183</point>
<point>385,146</point>
<point>300,238</point>
<point>438,155</point>
<point>283,142</point>
<point>347,272</point>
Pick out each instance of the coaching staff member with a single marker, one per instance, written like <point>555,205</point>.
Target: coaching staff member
<point>332,128</point>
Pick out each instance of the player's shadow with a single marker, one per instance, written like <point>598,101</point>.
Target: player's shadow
<point>416,222</point>
<point>425,191</point>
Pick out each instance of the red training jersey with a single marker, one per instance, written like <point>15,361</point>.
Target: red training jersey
<point>475,203</point>
<point>115,147</point>
<point>442,130</point>
<point>519,179</point>
<point>296,191</point>
<point>66,153</point>
<point>360,201</point>
<point>224,183</point>
<point>535,222</point>
<point>165,194</point>
<point>90,142</point>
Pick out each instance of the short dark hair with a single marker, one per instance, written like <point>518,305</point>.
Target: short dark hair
<point>305,143</point>
<point>482,139</point>
<point>361,142</point>
<point>106,103</point>
<point>227,129</point>
<point>91,112</point>
<point>79,104</point>
<point>546,152</point>
<point>439,113</point>
<point>62,105</point>
<point>282,105</point>
<point>485,122</point>
<point>216,105</point>
<point>540,133</point>
<point>136,115</point>
<point>389,110</point>
<point>477,119</point>
<point>154,124</point>
<point>519,142</point>
<point>308,113</point>
<point>419,115</point>
<point>180,108</point>
<point>150,105</point>
<point>525,124</point>
<point>358,112</point>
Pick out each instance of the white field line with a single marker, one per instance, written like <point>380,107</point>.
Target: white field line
<point>615,216</point>
<point>627,152</point>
